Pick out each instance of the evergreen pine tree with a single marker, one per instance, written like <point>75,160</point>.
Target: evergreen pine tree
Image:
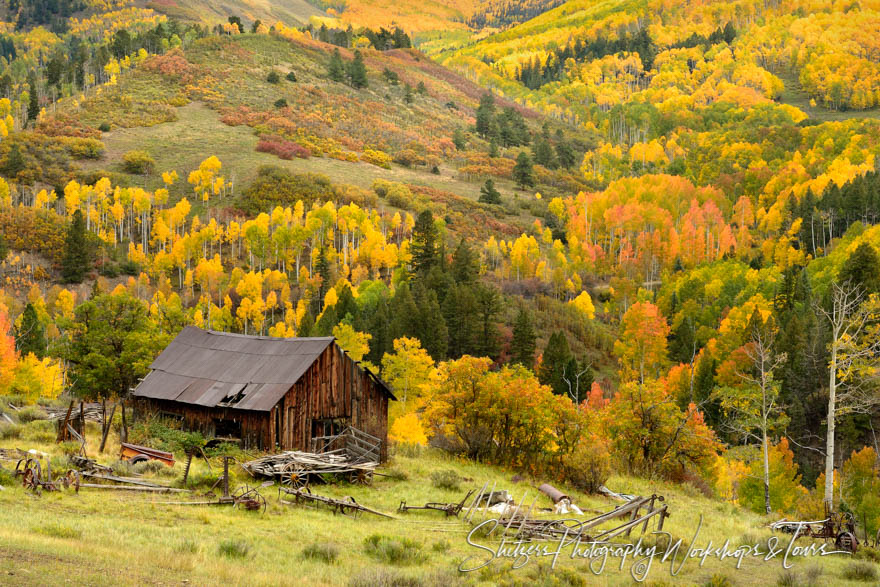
<point>465,264</point>
<point>459,139</point>
<point>554,360</point>
<point>493,148</point>
<point>33,99</point>
<point>322,268</point>
<point>430,327</point>
<point>14,161</point>
<point>460,315</point>
<point>357,72</point>
<point>862,268</point>
<point>31,335</point>
<point>565,155</point>
<point>4,249</point>
<point>76,261</point>
<point>424,242</point>
<point>407,94</point>
<point>336,68</point>
<point>485,115</point>
<point>488,193</point>
<point>544,154</point>
<point>522,347</point>
<point>488,305</point>
<point>704,385</point>
<point>522,171</point>
<point>378,325</point>
<point>306,325</point>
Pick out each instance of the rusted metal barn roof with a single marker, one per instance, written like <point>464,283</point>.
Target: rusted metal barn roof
<point>221,369</point>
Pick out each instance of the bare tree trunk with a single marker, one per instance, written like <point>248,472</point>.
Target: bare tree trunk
<point>766,472</point>
<point>123,436</point>
<point>107,423</point>
<point>828,500</point>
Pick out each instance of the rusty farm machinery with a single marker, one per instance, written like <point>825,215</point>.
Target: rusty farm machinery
<point>839,527</point>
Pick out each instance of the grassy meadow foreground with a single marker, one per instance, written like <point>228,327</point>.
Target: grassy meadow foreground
<point>100,537</point>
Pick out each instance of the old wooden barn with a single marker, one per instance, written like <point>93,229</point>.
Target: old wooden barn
<point>272,393</point>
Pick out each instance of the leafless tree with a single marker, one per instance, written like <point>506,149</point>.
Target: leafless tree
<point>574,391</point>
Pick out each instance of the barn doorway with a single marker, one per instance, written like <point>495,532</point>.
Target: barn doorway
<point>224,428</point>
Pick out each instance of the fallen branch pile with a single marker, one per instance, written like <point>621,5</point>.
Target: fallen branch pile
<point>92,412</point>
<point>298,469</point>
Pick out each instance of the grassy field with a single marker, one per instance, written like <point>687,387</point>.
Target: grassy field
<point>102,537</point>
<point>197,133</point>
<point>290,12</point>
<point>794,95</point>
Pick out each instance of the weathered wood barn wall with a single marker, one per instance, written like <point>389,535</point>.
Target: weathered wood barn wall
<point>270,393</point>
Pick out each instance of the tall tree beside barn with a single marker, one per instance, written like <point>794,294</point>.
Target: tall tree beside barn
<point>111,343</point>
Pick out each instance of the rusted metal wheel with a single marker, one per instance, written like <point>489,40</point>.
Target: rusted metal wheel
<point>71,479</point>
<point>846,541</point>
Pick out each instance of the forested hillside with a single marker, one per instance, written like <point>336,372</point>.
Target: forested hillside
<point>608,233</point>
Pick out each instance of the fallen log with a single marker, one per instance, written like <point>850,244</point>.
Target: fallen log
<point>134,488</point>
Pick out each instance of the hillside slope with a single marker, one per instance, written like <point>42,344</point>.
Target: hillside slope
<point>79,537</point>
<point>290,12</point>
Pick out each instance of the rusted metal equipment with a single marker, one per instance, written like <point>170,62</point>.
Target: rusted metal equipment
<point>298,469</point>
<point>248,498</point>
<point>554,494</point>
<point>32,478</point>
<point>134,453</point>
<point>840,527</point>
<point>450,509</point>
<point>346,506</point>
<point>89,465</point>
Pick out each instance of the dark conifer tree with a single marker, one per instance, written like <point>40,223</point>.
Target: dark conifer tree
<point>488,304</point>
<point>488,193</point>
<point>522,347</point>
<point>522,171</point>
<point>357,72</point>
<point>460,315</point>
<point>424,242</point>
<point>33,98</point>
<point>862,269</point>
<point>554,360</point>
<point>336,68</point>
<point>77,258</point>
<point>30,337</point>
<point>465,264</point>
<point>485,115</point>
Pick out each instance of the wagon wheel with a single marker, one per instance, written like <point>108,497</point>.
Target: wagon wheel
<point>348,507</point>
<point>846,541</point>
<point>28,478</point>
<point>71,479</point>
<point>295,476</point>
<point>362,476</point>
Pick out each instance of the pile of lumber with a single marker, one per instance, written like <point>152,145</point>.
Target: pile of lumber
<point>91,411</point>
<point>283,464</point>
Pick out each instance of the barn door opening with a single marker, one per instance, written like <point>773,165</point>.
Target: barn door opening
<point>224,428</point>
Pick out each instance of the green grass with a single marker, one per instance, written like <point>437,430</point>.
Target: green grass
<point>115,538</point>
<point>794,95</point>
